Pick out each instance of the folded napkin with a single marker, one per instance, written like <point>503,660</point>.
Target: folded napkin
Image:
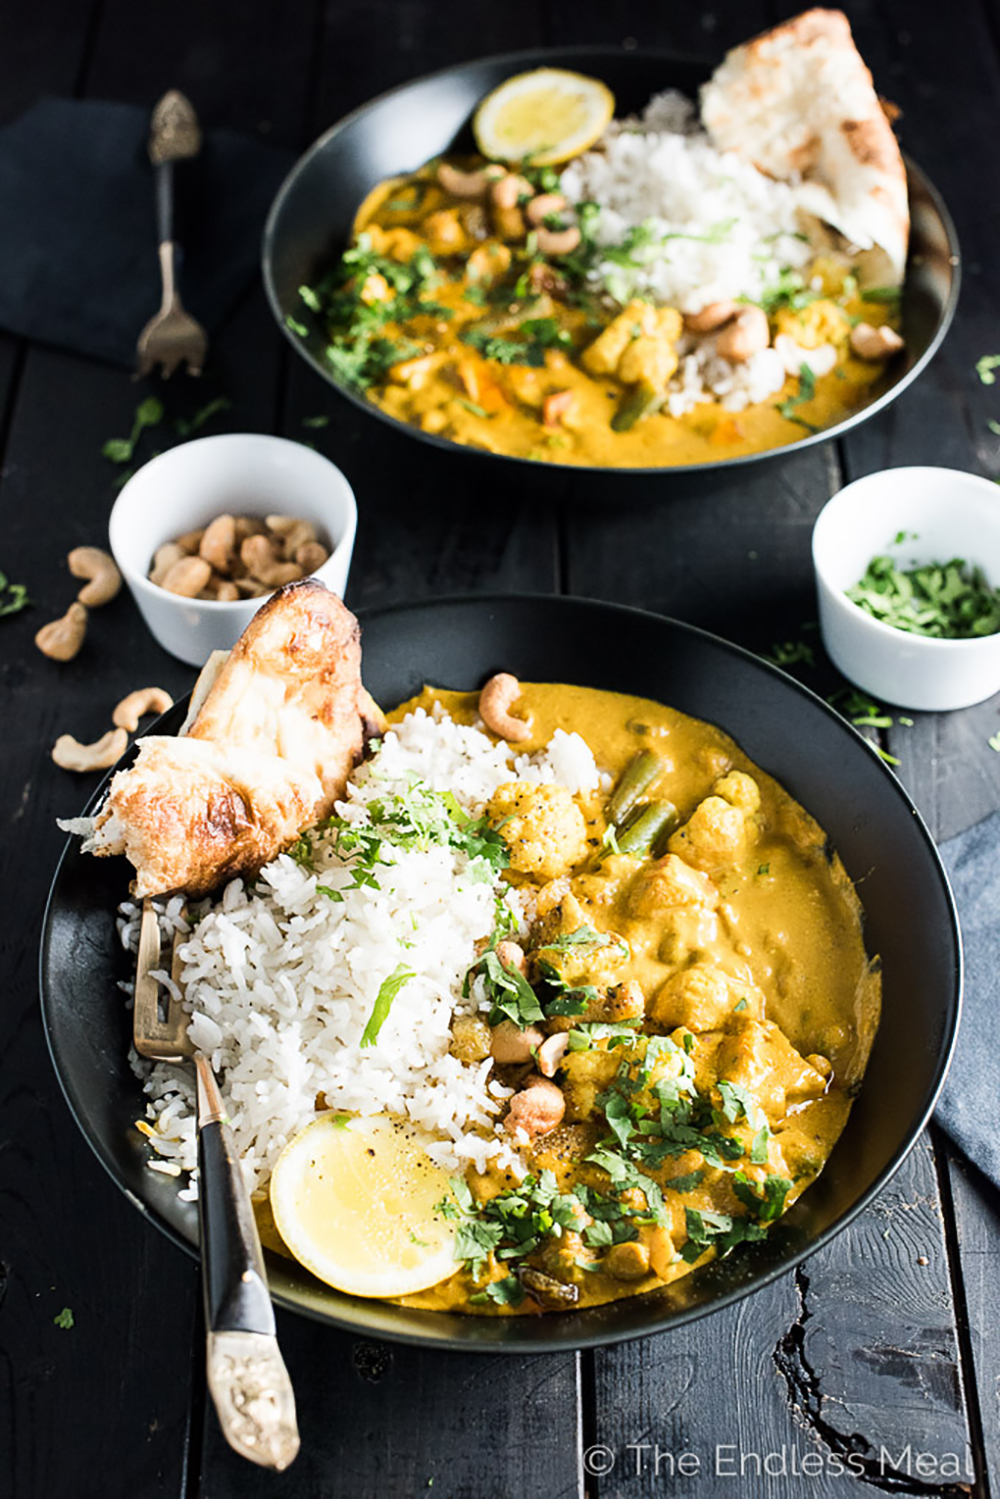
<point>967,1109</point>
<point>78,265</point>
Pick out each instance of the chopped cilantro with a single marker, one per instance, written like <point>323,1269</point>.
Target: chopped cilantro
<point>807,389</point>
<point>188,426</point>
<point>64,1318</point>
<point>388,990</point>
<point>17,596</point>
<point>946,600</point>
<point>149,413</point>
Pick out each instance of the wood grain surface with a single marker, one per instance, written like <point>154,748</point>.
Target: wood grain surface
<point>883,1345</point>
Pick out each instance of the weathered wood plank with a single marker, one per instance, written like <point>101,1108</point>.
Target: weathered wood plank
<point>378,1420</point>
<point>976,1206</point>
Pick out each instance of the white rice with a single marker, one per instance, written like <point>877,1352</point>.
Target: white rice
<point>281,979</point>
<point>718,230</point>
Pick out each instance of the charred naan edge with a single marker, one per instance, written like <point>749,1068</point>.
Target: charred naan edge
<point>799,102</point>
<point>278,726</point>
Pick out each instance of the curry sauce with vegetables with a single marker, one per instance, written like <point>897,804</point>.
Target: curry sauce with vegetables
<point>480,323</point>
<point>681,1028</point>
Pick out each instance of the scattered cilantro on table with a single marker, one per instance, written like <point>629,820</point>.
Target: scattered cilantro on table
<point>64,1318</point>
<point>13,596</point>
<point>149,413</point>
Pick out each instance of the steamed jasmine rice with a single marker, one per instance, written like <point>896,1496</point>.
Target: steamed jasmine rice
<point>332,980</point>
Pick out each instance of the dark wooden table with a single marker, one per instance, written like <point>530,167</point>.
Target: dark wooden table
<point>880,1348</point>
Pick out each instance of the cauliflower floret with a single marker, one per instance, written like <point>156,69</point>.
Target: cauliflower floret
<point>715,836</point>
<point>702,998</point>
<point>739,790</point>
<point>543,828</point>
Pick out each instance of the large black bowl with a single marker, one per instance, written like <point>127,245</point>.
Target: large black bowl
<point>310,223</point>
<point>823,762</point>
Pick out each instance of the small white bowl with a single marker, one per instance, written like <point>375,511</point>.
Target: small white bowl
<point>945,514</point>
<point>240,473</point>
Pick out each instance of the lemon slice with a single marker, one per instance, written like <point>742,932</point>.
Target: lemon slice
<point>542,117</point>
<point>354,1202</point>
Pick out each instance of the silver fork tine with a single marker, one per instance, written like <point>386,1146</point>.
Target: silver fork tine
<point>158,1038</point>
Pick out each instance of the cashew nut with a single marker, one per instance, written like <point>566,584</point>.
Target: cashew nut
<point>248,525</point>
<point>163,560</point>
<point>510,1044</point>
<point>260,558</point>
<point>745,336</point>
<point>509,190</point>
<point>558,241</point>
<point>539,208</point>
<point>495,702</point>
<point>223,592</point>
<point>710,317</point>
<point>191,540</point>
<point>99,567</point>
<point>511,955</point>
<point>875,343</point>
<point>551,1053</point>
<point>218,545</point>
<point>311,555</point>
<point>290,533</point>
<point>144,700</point>
<point>187,577</point>
<point>70,754</point>
<point>537,1109</point>
<point>469,185</point>
<point>61,639</point>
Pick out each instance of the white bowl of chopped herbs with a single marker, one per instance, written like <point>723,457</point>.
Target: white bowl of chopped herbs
<point>907,567</point>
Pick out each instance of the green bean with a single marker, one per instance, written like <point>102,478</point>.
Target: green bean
<point>659,847</point>
<point>640,772</point>
<point>645,826</point>
<point>641,400</point>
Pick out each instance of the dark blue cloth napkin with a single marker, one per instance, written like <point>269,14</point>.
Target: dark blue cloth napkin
<point>968,1105</point>
<point>78,264</point>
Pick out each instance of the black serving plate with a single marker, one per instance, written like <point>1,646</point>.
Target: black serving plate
<point>311,219</point>
<point>823,762</point>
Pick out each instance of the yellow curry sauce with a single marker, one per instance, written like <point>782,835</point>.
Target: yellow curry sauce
<point>745,940</point>
<point>481,339</point>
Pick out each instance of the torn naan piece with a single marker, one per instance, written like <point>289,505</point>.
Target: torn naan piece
<point>279,729</point>
<point>799,103</point>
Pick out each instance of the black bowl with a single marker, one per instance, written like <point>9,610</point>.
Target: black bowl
<point>311,219</point>
<point>824,763</point>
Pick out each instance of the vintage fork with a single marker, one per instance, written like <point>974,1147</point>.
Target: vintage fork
<point>246,1374</point>
<point>172,336</point>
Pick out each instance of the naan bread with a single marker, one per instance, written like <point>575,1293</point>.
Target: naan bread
<point>799,103</point>
<point>282,722</point>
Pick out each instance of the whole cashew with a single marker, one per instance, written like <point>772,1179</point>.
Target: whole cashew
<point>510,1044</point>
<point>99,567</point>
<point>70,754</point>
<point>745,336</point>
<point>311,555</point>
<point>144,700</point>
<point>710,317</point>
<point>163,560</point>
<point>218,545</point>
<point>187,577</point>
<point>495,702</point>
<point>224,592</point>
<point>191,541</point>
<point>508,190</point>
<point>558,241</point>
<point>539,208</point>
<point>511,955</point>
<point>551,1053</point>
<point>469,185</point>
<point>61,639</point>
<point>291,533</point>
<point>875,343</point>
<point>261,561</point>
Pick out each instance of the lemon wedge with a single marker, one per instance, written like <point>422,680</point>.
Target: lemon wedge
<point>354,1201</point>
<point>542,117</point>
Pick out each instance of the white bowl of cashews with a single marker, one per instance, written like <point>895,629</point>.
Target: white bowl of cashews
<point>187,488</point>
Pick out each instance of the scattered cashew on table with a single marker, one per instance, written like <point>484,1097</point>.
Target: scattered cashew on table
<point>61,639</point>
<point>69,754</point>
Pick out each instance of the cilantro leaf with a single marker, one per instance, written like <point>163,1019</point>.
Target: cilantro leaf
<point>388,990</point>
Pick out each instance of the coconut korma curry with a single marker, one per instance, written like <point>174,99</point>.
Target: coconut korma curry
<point>684,1027</point>
<point>472,317</point>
